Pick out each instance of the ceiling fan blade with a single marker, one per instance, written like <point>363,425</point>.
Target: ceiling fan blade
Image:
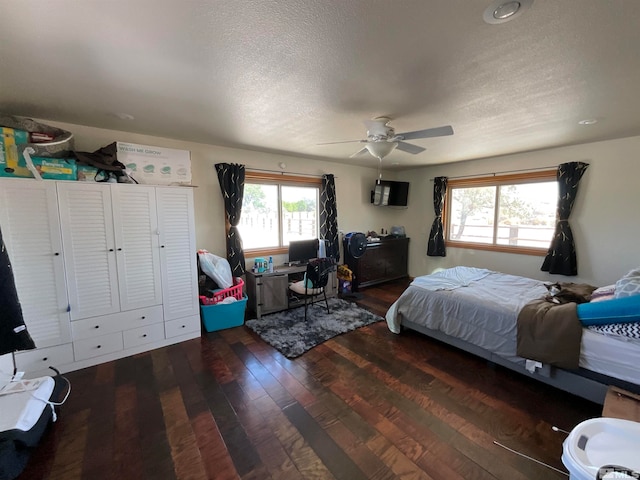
<point>359,152</point>
<point>410,148</point>
<point>428,133</point>
<point>346,141</point>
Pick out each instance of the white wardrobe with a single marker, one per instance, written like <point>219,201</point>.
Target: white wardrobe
<point>102,270</point>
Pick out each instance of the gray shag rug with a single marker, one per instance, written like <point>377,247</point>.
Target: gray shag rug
<point>288,332</point>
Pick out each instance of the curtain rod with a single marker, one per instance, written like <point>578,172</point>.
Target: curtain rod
<point>503,172</point>
<point>287,173</point>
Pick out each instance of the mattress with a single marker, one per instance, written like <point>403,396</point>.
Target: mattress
<point>484,313</point>
<point>612,356</point>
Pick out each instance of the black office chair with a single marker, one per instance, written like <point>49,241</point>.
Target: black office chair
<point>315,282</point>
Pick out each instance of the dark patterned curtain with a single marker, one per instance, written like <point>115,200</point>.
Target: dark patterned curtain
<point>561,257</point>
<point>231,179</point>
<point>13,332</point>
<point>435,246</point>
<point>329,216</point>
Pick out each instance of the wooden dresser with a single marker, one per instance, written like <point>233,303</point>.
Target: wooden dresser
<point>382,261</point>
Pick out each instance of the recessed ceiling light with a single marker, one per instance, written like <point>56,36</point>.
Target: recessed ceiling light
<point>501,11</point>
<point>588,121</point>
<point>506,10</point>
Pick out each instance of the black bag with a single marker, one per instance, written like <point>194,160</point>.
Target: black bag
<point>106,161</point>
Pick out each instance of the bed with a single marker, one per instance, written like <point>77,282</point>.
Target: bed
<point>477,310</point>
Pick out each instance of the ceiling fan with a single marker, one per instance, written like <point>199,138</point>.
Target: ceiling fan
<point>382,138</point>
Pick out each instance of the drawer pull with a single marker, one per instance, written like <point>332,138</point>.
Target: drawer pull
<point>183,326</point>
<point>144,335</point>
<point>57,253</point>
<point>143,317</point>
<point>99,346</point>
<point>45,359</point>
<point>97,326</point>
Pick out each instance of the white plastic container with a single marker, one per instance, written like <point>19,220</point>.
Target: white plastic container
<point>602,441</point>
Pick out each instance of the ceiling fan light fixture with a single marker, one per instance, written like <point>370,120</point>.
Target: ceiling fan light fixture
<point>381,149</point>
<point>382,138</point>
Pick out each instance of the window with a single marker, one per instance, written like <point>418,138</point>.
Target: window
<point>509,213</point>
<point>277,209</point>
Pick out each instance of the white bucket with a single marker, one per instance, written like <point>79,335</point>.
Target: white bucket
<point>602,441</point>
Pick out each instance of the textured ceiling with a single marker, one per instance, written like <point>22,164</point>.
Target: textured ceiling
<point>285,75</point>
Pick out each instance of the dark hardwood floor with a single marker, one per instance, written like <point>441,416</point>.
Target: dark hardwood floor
<point>367,404</point>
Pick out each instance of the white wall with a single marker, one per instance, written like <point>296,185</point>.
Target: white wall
<point>605,219</point>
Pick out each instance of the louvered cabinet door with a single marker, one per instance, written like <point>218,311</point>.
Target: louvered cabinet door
<point>89,248</point>
<point>31,231</point>
<point>176,226</point>
<point>135,223</point>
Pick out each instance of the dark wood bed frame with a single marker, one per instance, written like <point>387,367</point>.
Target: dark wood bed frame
<point>581,382</point>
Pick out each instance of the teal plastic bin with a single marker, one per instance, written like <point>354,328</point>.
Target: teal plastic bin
<point>223,315</point>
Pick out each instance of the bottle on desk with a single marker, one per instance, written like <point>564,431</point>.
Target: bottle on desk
<point>270,264</point>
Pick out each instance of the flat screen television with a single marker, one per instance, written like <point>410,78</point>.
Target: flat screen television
<point>301,251</point>
<point>391,193</point>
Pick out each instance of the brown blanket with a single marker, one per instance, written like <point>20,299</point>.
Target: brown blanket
<point>550,333</point>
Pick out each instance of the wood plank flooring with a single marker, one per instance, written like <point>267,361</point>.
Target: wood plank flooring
<point>365,405</point>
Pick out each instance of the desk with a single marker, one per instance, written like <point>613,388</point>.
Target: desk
<point>269,292</point>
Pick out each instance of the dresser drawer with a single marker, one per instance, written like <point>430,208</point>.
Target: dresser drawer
<point>142,335</point>
<point>94,347</point>
<point>98,326</point>
<point>43,358</point>
<point>182,326</point>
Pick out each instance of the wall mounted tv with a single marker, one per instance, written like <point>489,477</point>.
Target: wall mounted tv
<point>390,193</point>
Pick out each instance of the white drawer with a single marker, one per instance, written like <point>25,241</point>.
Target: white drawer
<point>42,358</point>
<point>182,326</point>
<point>94,347</point>
<point>142,335</point>
<point>98,326</point>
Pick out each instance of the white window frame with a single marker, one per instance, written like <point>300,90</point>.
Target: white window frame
<point>541,176</point>
<point>280,181</point>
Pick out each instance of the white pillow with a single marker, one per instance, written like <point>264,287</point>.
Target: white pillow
<point>629,284</point>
